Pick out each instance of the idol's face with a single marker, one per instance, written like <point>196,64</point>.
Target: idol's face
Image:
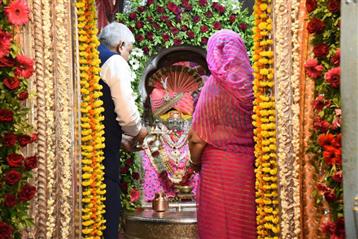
<point>125,49</point>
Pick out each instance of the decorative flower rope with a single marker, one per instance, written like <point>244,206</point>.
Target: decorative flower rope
<point>267,200</point>
<point>287,72</point>
<point>63,118</point>
<point>40,117</point>
<point>50,118</point>
<point>92,129</point>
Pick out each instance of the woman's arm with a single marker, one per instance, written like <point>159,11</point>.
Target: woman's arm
<point>196,147</point>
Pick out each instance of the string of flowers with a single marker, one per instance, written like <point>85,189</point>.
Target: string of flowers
<point>324,69</point>
<point>267,198</point>
<point>92,129</point>
<point>63,94</point>
<point>163,24</point>
<point>40,120</point>
<point>287,97</point>
<point>15,131</point>
<point>50,119</point>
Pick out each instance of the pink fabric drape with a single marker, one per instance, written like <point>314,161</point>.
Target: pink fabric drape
<point>223,113</point>
<point>105,11</point>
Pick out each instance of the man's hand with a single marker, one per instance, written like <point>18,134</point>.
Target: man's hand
<point>141,135</point>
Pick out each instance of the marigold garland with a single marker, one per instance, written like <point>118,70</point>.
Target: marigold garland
<point>92,129</point>
<point>267,197</point>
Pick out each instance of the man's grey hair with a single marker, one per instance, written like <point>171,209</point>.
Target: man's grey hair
<point>114,33</point>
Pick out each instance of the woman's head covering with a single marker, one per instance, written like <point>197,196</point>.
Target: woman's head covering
<point>229,63</point>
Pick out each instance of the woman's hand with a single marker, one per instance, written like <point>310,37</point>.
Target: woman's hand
<point>196,146</point>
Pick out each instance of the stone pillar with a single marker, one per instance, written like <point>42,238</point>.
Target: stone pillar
<point>349,93</point>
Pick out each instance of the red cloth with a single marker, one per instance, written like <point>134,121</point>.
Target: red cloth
<point>106,9</point>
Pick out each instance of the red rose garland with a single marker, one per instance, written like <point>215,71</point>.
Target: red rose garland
<point>15,69</point>
<point>324,20</point>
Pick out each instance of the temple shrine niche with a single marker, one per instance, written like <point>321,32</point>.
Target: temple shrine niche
<point>171,85</point>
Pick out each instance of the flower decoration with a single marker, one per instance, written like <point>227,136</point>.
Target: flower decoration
<point>15,131</point>
<point>175,23</point>
<point>264,121</point>
<point>92,129</point>
<point>325,145</point>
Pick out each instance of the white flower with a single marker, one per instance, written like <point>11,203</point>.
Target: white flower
<point>137,52</point>
<point>134,64</point>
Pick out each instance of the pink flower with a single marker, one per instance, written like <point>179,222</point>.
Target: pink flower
<point>134,194</point>
<point>338,176</point>
<point>335,59</point>
<point>313,70</point>
<point>5,43</point>
<point>333,77</point>
<point>25,66</point>
<point>320,102</point>
<point>328,227</point>
<point>17,12</point>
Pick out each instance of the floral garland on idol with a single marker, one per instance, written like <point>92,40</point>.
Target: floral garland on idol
<point>15,132</point>
<point>163,24</point>
<point>267,197</point>
<point>324,69</point>
<point>92,129</point>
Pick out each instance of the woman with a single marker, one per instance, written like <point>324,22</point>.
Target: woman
<point>221,142</point>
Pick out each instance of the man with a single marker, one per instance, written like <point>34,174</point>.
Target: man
<point>121,115</point>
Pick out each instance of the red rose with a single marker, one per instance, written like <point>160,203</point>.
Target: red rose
<point>27,193</point>
<point>325,140</point>
<point>178,18</point>
<point>124,170</point>
<point>23,95</point>
<point>124,186</point>
<point>145,50</point>
<point>174,30</point>
<point>328,227</point>
<point>330,196</point>
<point>135,176</point>
<point>320,102</point>
<point>24,140</point>
<point>14,160</point>
<point>149,18</point>
<point>129,162</point>
<point>319,124</point>
<point>141,9</point>
<point>25,66</point>
<point>164,18</point>
<point>311,5</point>
<point>5,43</point>
<point>9,140</point>
<point>190,34</point>
<point>6,230</point>
<point>9,200</point>
<point>12,177</point>
<point>31,162</point>
<point>209,14</point>
<point>139,25</point>
<point>338,176</point>
<point>203,3</point>
<point>335,59</point>
<point>204,28</point>
<point>134,195</point>
<point>6,61</point>
<point>184,28</point>
<point>204,40</point>
<point>132,15</point>
<point>173,8</point>
<point>333,77</point>
<point>321,50</point>
<point>315,26</point>
<point>334,6</point>
<point>322,187</point>
<point>156,26</point>
<point>165,36</point>
<point>160,9</point>
<point>217,25</point>
<point>313,70</point>
<point>169,24</point>
<point>339,140</point>
<point>232,18</point>
<point>11,83</point>
<point>177,42</point>
<point>150,36</point>
<point>196,19</point>
<point>150,2</point>
<point>6,115</point>
<point>243,26</point>
<point>340,230</point>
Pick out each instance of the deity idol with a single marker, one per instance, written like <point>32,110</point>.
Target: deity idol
<point>166,152</point>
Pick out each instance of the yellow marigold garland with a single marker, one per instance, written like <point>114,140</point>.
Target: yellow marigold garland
<point>264,121</point>
<point>92,129</point>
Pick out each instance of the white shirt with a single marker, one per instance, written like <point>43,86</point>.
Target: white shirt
<point>117,74</point>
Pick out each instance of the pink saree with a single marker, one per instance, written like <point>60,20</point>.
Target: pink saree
<point>223,119</point>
